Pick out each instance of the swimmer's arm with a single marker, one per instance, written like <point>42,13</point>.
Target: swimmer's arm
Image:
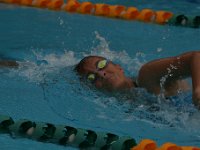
<point>8,63</point>
<point>195,71</point>
<point>185,65</point>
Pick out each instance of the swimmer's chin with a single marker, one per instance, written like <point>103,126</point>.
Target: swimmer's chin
<point>115,88</point>
<point>127,84</point>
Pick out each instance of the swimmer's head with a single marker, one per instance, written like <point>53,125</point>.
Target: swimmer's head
<point>103,73</point>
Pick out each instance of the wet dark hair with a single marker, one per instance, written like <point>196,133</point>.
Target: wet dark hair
<point>79,67</point>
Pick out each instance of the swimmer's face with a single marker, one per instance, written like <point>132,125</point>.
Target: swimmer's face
<point>103,73</point>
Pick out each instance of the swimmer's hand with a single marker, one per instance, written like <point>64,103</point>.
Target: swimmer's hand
<point>8,63</point>
<point>196,98</point>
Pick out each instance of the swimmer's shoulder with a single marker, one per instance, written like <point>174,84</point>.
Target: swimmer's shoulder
<point>135,82</point>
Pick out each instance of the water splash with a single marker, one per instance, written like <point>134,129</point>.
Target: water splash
<point>163,80</point>
<point>45,64</point>
<point>132,65</point>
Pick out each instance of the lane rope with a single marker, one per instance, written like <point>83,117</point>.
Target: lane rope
<point>113,11</point>
<point>77,137</point>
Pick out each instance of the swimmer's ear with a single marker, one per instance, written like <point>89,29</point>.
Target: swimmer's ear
<point>119,67</point>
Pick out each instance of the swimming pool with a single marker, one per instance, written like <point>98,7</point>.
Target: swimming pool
<point>45,88</point>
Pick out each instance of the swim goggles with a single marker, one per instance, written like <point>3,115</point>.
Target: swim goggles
<point>100,65</point>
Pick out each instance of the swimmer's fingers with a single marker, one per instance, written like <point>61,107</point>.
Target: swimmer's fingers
<point>196,98</point>
<point>197,103</point>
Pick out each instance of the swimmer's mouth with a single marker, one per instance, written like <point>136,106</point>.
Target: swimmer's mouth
<point>113,77</point>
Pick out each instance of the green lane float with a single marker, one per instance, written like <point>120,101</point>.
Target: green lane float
<point>80,138</point>
<point>187,21</point>
<point>113,11</point>
<point>64,135</point>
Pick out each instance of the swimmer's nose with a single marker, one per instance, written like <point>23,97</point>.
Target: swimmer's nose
<point>102,74</point>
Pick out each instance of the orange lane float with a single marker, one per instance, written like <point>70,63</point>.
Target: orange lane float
<point>162,17</point>
<point>12,1</point>
<point>41,3</point>
<point>116,10</point>
<point>71,6</point>
<point>131,13</point>
<point>189,148</point>
<point>26,2</point>
<point>55,4</point>
<point>169,146</point>
<point>86,8</point>
<point>102,10</point>
<point>145,144</point>
<point>146,15</point>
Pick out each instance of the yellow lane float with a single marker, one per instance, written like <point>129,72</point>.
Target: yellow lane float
<point>131,13</point>
<point>116,10</point>
<point>146,15</point>
<point>86,8</point>
<point>41,3</point>
<point>71,6</point>
<point>56,4</point>
<point>102,9</point>
<point>12,1</point>
<point>163,16</point>
<point>26,2</point>
<point>145,144</point>
<point>189,148</point>
<point>169,146</point>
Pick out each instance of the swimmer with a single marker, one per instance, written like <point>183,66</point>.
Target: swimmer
<point>105,74</point>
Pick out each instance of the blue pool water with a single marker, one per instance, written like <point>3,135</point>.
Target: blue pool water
<point>45,88</point>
